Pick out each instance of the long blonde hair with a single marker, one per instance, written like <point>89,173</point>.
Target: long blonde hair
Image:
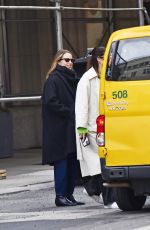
<point>55,61</point>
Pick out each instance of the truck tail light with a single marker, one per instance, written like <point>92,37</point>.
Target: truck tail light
<point>100,138</point>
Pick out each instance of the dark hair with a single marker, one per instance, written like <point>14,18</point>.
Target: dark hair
<point>95,53</point>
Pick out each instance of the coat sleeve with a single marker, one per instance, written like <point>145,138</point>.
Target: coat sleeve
<point>82,102</point>
<point>51,99</point>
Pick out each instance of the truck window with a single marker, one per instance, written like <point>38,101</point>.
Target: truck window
<point>130,61</point>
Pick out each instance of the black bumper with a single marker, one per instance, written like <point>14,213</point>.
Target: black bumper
<point>124,173</point>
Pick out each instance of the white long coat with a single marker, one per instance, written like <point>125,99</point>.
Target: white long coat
<point>86,109</point>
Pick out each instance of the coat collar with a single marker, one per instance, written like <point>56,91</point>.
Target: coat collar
<point>92,73</point>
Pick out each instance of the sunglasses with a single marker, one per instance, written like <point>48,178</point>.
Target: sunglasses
<point>68,59</point>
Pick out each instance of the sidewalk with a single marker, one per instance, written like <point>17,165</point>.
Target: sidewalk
<point>25,172</point>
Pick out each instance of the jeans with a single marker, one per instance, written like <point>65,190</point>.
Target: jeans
<point>65,175</point>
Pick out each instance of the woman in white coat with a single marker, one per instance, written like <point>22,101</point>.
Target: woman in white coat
<point>87,110</point>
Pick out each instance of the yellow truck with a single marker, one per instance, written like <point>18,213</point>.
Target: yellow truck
<point>123,126</point>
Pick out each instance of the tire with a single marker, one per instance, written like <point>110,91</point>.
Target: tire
<point>127,201</point>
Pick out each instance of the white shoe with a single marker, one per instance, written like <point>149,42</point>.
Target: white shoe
<point>101,198</point>
<point>85,192</point>
<point>97,198</point>
<point>112,205</point>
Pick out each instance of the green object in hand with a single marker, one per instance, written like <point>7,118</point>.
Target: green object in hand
<point>82,130</point>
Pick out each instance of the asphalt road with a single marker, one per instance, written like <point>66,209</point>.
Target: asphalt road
<point>35,209</point>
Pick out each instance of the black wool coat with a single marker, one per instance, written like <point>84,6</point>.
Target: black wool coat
<point>58,115</point>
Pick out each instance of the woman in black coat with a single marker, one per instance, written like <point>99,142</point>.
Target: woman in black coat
<point>58,116</point>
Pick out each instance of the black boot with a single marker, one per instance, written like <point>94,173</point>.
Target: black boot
<point>61,201</point>
<point>75,202</point>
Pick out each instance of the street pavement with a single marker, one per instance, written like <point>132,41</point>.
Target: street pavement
<point>27,201</point>
<point>24,171</point>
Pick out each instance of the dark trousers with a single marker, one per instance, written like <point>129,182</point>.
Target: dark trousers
<point>107,193</point>
<point>65,175</point>
<point>94,186</point>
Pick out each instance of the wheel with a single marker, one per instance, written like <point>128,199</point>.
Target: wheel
<point>127,201</point>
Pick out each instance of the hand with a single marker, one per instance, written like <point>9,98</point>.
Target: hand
<point>82,136</point>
